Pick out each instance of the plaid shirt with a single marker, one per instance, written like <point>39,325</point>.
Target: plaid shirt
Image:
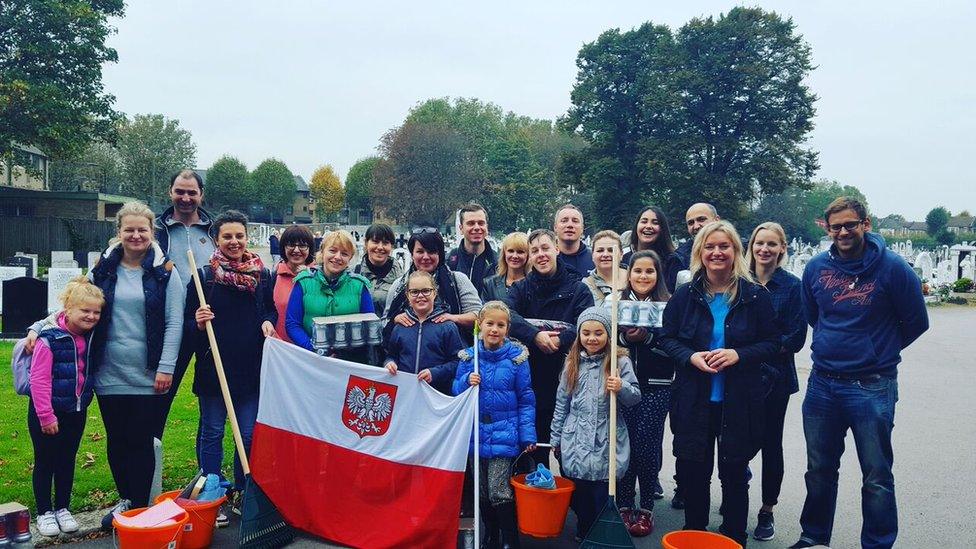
<point>784,291</point>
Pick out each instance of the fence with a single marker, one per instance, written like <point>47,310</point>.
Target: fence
<point>42,235</point>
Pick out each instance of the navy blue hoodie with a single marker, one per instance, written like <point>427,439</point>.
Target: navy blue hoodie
<point>863,311</point>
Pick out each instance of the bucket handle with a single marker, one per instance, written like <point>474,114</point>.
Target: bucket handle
<point>526,453</point>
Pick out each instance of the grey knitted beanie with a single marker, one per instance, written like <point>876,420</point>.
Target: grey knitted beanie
<point>599,314</point>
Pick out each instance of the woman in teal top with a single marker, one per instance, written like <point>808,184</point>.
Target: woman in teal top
<point>329,291</point>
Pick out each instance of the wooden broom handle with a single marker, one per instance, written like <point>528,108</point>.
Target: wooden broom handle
<point>219,365</point>
<point>614,300</point>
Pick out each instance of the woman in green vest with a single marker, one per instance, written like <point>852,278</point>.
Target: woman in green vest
<point>330,290</point>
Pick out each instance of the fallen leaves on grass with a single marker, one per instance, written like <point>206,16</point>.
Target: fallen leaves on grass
<point>95,437</point>
<point>89,460</point>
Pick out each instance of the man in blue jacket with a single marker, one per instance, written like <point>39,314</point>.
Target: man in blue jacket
<point>865,305</point>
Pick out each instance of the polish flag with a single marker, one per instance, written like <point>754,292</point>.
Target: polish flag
<point>355,455</point>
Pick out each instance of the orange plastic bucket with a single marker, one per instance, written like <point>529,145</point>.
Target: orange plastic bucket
<point>542,513</point>
<point>694,539</point>
<point>199,530</point>
<point>159,537</point>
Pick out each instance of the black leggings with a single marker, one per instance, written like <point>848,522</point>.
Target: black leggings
<point>166,400</point>
<point>694,478</point>
<point>772,449</point>
<point>130,426</point>
<point>54,457</point>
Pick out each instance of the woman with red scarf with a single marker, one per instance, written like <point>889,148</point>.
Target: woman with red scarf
<point>240,305</point>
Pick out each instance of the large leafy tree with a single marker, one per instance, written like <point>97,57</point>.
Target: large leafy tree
<point>228,185</point>
<point>937,220</point>
<point>51,57</point>
<point>800,211</point>
<point>426,173</point>
<point>153,148</point>
<point>327,191</point>
<point>273,187</point>
<point>360,183</point>
<point>715,111</point>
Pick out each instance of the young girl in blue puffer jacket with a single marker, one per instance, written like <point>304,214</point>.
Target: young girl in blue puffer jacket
<point>507,416</point>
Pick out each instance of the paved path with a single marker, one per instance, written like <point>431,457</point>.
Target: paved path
<point>935,439</point>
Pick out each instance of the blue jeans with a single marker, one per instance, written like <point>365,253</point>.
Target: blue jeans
<point>210,437</point>
<point>867,408</point>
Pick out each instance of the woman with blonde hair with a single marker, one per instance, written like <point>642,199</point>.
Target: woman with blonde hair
<point>599,280</point>
<point>134,349</point>
<point>331,290</point>
<point>767,252</point>
<point>512,267</point>
<point>719,329</point>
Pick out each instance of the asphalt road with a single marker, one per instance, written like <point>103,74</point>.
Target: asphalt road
<point>934,440</point>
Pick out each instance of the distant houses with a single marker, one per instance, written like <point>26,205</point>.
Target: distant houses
<point>960,224</point>
<point>895,225</point>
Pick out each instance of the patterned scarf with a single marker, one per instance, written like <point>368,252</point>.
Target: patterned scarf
<point>242,274</point>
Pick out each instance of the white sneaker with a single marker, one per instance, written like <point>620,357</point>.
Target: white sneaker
<point>66,522</point>
<point>47,524</point>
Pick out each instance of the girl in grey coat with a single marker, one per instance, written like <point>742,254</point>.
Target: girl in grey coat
<point>581,422</point>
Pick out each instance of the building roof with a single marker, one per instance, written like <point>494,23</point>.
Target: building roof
<point>300,184</point>
<point>30,148</point>
<point>961,221</point>
<point>916,226</point>
<point>17,192</point>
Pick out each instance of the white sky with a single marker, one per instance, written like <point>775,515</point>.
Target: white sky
<point>316,82</point>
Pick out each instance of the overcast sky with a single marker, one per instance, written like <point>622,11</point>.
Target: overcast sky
<point>315,82</point>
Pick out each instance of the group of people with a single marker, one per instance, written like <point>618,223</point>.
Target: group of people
<point>721,364</point>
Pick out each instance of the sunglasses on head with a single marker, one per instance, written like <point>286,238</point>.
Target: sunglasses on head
<point>424,230</point>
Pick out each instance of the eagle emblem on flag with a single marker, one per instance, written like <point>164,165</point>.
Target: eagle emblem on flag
<point>368,408</point>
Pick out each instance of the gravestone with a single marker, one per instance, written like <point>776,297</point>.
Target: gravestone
<point>925,265</point>
<point>57,279</point>
<point>9,273</point>
<point>24,300</point>
<point>62,259</point>
<point>93,259</point>
<point>28,263</point>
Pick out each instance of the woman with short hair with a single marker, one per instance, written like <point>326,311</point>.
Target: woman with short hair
<point>296,256</point>
<point>767,252</point>
<point>378,266</point>
<point>512,267</point>
<point>328,291</point>
<point>599,281</point>
<point>652,232</point>
<point>719,329</point>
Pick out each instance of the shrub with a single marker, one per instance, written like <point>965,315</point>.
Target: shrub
<point>962,285</point>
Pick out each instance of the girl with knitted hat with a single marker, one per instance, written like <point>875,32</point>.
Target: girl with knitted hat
<point>581,422</point>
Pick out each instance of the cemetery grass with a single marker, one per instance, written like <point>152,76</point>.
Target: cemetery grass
<point>94,487</point>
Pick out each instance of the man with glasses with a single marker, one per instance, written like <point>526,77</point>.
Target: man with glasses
<point>865,305</point>
<point>697,216</point>
<point>183,226</point>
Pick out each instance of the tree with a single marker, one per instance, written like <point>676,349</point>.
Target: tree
<point>936,221</point>
<point>716,111</point>
<point>426,173</point>
<point>51,57</point>
<point>227,184</point>
<point>800,211</point>
<point>359,183</point>
<point>98,168</point>
<point>153,148</point>
<point>327,191</point>
<point>273,187</point>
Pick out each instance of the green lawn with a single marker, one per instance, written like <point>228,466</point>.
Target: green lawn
<point>94,487</point>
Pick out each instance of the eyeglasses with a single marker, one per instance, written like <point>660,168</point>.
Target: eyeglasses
<point>426,292</point>
<point>302,247</point>
<point>850,226</point>
<point>424,230</point>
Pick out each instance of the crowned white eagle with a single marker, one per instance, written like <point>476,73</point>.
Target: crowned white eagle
<point>367,406</point>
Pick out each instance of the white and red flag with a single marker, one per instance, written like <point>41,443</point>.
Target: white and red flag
<point>355,455</point>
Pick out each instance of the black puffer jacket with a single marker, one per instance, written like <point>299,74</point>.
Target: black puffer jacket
<point>751,330</point>
<point>559,297</point>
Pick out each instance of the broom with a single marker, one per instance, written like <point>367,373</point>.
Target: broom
<point>609,529</point>
<point>261,523</point>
